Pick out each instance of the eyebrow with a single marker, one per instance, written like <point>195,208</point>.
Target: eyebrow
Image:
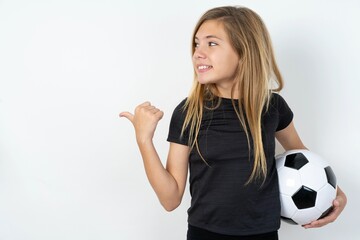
<point>209,36</point>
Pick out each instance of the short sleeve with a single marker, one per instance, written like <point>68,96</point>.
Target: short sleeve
<point>285,113</point>
<point>176,124</point>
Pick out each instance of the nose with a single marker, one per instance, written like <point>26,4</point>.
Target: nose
<point>199,53</point>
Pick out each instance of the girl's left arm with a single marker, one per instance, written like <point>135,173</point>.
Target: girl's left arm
<point>289,139</point>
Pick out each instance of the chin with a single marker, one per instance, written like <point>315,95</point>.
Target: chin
<point>204,81</point>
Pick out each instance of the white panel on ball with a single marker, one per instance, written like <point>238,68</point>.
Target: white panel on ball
<point>288,208</point>
<point>313,176</point>
<point>306,216</point>
<point>323,201</point>
<point>291,181</point>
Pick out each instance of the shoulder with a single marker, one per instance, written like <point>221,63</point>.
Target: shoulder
<point>176,133</point>
<point>276,98</point>
<point>179,111</point>
<point>277,101</point>
<point>280,109</point>
<point>181,105</point>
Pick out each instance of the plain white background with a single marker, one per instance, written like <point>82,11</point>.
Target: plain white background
<point>70,168</point>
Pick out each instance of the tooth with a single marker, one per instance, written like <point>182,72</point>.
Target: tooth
<point>204,67</point>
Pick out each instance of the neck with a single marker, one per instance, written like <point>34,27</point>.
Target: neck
<point>225,92</point>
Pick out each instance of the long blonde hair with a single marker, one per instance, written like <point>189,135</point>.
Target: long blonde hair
<point>257,76</point>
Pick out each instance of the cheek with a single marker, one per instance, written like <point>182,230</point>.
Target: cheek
<point>234,63</point>
<point>231,62</point>
<point>231,67</point>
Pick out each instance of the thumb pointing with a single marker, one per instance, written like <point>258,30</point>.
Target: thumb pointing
<point>127,115</point>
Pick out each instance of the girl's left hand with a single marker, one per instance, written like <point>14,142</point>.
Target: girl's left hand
<point>338,206</point>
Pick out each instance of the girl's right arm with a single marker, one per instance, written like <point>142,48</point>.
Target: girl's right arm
<point>168,182</point>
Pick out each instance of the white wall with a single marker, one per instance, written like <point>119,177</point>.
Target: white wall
<point>70,168</point>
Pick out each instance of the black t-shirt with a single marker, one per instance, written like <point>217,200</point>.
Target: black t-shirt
<point>220,200</point>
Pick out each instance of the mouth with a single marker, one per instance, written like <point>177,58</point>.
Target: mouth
<point>203,68</point>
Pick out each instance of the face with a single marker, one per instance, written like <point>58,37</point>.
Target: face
<point>215,60</point>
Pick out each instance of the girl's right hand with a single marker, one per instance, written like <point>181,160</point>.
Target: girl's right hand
<point>144,120</point>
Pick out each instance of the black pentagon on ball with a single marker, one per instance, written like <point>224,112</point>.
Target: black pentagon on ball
<point>295,161</point>
<point>304,198</point>
<point>330,175</point>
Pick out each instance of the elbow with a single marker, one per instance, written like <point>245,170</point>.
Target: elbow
<point>170,206</point>
<point>169,209</point>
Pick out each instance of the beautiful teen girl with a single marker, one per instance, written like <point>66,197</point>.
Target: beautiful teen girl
<point>224,133</point>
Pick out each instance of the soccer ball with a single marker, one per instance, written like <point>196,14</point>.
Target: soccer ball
<point>307,186</point>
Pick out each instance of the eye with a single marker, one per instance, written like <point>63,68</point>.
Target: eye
<point>196,45</point>
<point>211,44</point>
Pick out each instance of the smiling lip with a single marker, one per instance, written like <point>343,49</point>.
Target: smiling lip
<point>201,68</point>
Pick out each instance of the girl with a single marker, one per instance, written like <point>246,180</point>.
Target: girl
<point>224,133</point>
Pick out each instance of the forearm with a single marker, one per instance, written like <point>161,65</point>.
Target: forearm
<point>163,183</point>
<point>166,187</point>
